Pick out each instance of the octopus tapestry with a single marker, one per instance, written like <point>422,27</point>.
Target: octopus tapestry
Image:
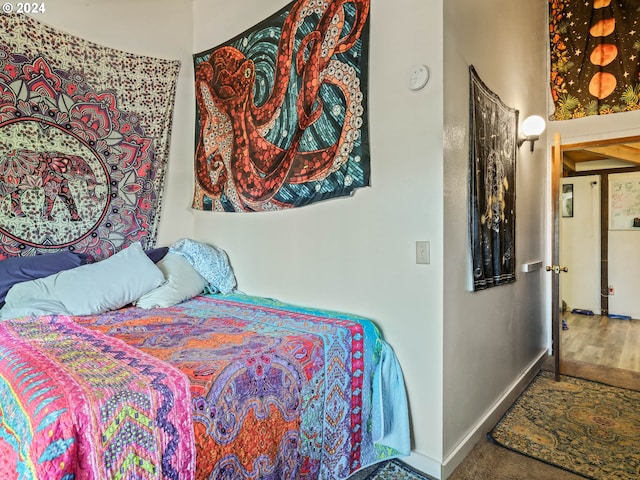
<point>84,138</point>
<point>492,170</point>
<point>595,48</point>
<point>281,110</point>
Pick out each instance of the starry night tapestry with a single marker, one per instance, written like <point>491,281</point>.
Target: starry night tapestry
<point>492,195</point>
<point>281,110</point>
<point>595,52</point>
<point>84,139</point>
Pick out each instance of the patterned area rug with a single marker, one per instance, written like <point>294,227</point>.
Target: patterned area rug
<point>588,428</point>
<point>389,470</point>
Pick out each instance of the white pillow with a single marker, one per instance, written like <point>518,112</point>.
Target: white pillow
<point>182,282</point>
<point>86,290</point>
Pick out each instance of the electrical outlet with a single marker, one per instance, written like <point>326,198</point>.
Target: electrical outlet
<point>611,290</point>
<point>422,252</point>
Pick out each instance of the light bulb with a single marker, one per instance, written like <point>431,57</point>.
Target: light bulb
<point>533,126</point>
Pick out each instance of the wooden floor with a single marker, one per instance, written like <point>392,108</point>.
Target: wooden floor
<point>602,341</point>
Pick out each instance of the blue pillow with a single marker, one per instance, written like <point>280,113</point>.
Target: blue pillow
<point>89,289</point>
<point>157,254</point>
<point>210,262</point>
<point>21,269</point>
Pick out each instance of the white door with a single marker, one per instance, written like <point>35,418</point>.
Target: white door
<point>580,242</point>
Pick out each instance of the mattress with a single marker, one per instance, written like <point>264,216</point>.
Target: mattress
<point>258,388</point>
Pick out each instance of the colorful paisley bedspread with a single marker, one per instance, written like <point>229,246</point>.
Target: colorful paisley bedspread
<point>76,404</point>
<point>278,392</point>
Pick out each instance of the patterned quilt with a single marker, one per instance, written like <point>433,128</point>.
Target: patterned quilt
<point>76,404</point>
<point>277,392</point>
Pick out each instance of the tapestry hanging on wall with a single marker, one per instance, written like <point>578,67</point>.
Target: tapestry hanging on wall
<point>84,138</point>
<point>492,170</point>
<point>281,110</point>
<point>595,47</point>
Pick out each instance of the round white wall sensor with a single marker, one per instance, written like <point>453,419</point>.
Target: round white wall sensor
<point>418,77</point>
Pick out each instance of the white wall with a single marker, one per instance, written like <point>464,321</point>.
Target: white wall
<point>624,264</point>
<point>596,127</point>
<point>580,246</point>
<point>491,337</point>
<point>358,254</point>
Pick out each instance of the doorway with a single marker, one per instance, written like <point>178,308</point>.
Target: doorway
<point>600,328</point>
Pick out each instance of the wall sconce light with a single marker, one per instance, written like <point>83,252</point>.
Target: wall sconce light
<point>531,129</point>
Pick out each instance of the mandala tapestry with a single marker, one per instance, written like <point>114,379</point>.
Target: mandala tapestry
<point>492,195</point>
<point>281,110</point>
<point>84,138</point>
<point>595,48</point>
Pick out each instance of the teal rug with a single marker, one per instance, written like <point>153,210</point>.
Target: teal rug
<point>390,470</point>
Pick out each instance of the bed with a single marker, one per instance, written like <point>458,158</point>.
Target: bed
<point>220,386</point>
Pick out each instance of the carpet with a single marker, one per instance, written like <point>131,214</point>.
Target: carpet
<point>585,427</point>
<point>490,461</point>
<point>389,470</point>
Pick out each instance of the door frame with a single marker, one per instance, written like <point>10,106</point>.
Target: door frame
<point>557,152</point>
<point>556,174</point>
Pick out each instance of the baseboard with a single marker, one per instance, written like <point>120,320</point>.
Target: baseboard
<point>423,463</point>
<point>493,415</point>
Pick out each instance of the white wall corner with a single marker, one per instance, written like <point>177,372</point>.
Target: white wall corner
<point>491,417</point>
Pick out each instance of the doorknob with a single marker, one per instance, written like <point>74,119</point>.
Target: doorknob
<point>557,268</point>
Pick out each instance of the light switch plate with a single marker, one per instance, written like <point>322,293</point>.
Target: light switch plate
<point>422,252</point>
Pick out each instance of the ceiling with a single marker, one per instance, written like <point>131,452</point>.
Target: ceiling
<point>618,155</point>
